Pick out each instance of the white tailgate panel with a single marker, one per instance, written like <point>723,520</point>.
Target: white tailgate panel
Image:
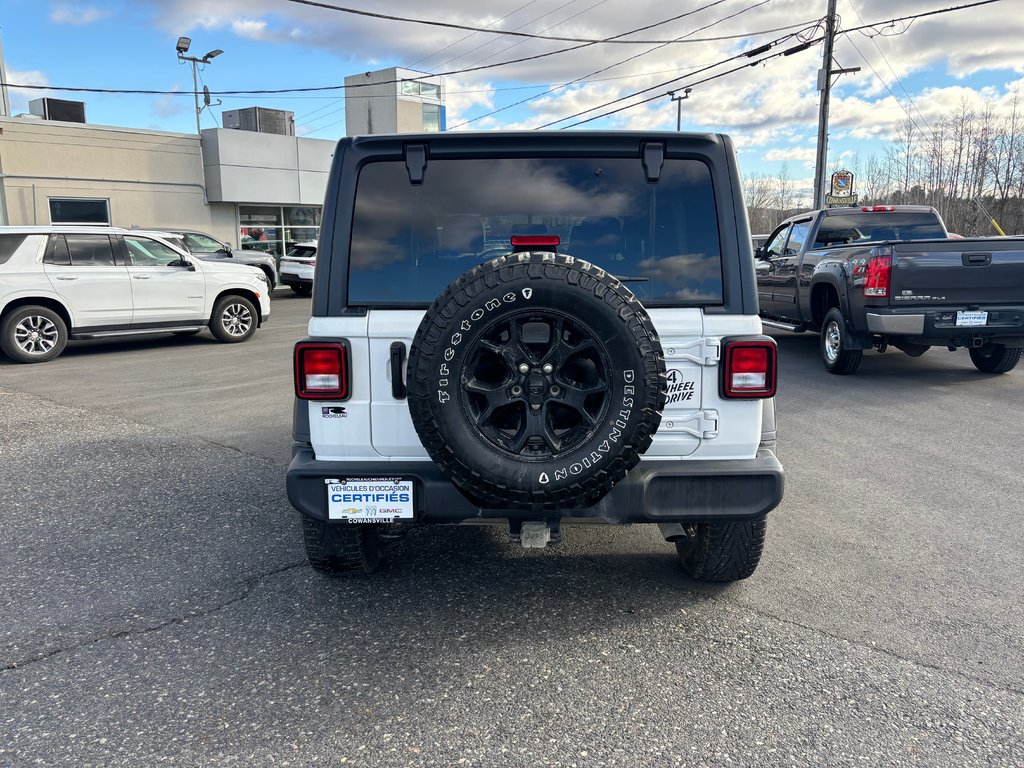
<point>681,430</point>
<point>337,438</point>
<point>392,432</point>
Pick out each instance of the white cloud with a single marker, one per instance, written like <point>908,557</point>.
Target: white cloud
<point>254,29</point>
<point>21,96</point>
<point>169,106</point>
<point>76,14</point>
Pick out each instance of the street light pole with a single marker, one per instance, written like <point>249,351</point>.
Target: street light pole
<point>679,105</point>
<point>182,48</point>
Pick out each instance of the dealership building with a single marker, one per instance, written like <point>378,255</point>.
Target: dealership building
<point>255,185</point>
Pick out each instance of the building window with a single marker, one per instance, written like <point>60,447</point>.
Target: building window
<point>275,229</point>
<point>431,117</point>
<point>79,210</point>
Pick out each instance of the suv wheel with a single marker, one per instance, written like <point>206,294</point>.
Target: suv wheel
<point>724,551</point>
<point>337,548</point>
<point>33,335</point>
<point>536,381</point>
<point>835,354</point>
<point>234,319</point>
<point>995,358</point>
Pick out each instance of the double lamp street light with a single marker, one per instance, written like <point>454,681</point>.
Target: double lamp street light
<point>182,48</point>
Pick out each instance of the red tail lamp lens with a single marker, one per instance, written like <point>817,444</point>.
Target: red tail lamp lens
<point>750,369</point>
<point>321,371</point>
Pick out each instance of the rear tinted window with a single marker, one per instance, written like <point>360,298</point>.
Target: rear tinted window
<point>90,250</point>
<point>302,252</point>
<point>409,242</point>
<point>864,226</point>
<point>8,245</point>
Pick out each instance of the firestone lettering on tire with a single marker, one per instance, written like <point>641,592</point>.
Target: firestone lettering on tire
<point>464,327</point>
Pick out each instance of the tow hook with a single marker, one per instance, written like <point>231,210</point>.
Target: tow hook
<point>534,534</point>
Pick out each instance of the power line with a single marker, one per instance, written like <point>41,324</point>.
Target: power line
<point>874,41</point>
<point>341,87</point>
<point>619,63</point>
<point>507,48</point>
<point>805,44</point>
<point>511,33</point>
<point>472,34</point>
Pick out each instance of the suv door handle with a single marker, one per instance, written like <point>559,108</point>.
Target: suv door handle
<point>141,277</point>
<point>67,277</point>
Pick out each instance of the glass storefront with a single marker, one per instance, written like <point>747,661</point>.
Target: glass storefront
<point>275,229</point>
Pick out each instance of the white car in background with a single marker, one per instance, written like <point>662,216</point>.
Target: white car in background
<point>296,268</point>
<point>81,282</point>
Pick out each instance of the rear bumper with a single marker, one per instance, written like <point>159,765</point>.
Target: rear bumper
<point>937,326</point>
<point>287,278</point>
<point>654,492</point>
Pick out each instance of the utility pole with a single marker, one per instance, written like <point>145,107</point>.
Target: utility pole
<point>679,105</point>
<point>824,86</point>
<point>182,48</point>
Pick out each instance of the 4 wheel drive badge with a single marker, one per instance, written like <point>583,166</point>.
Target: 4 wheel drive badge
<point>527,293</point>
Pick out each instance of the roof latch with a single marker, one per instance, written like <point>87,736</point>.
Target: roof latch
<point>653,159</point>
<point>416,162</point>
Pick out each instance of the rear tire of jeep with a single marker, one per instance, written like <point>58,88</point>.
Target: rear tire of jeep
<point>836,355</point>
<point>723,551</point>
<point>536,381</point>
<point>334,549</point>
<point>995,358</point>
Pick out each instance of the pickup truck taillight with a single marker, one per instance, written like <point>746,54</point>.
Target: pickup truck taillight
<point>877,275</point>
<point>750,369</point>
<point>321,370</point>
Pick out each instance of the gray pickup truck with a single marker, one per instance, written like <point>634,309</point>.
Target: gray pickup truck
<point>885,276</point>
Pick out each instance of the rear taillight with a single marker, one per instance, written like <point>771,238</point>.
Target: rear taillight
<point>750,368</point>
<point>321,370</point>
<point>877,275</point>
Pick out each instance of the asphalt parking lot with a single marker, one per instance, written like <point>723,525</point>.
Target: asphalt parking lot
<point>156,608</point>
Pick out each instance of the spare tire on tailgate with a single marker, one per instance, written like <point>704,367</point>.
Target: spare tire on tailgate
<point>535,381</point>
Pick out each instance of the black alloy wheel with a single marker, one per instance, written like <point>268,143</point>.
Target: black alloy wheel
<point>537,385</point>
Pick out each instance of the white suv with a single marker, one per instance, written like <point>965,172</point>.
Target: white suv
<point>64,282</point>
<point>500,325</point>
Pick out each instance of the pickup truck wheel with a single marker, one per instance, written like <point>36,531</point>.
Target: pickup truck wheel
<point>234,319</point>
<point>723,551</point>
<point>995,358</point>
<point>336,548</point>
<point>33,335</point>
<point>536,381</point>
<point>835,354</point>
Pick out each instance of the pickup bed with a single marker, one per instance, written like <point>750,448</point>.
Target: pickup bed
<point>890,276</point>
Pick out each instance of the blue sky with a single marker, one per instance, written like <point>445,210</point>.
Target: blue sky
<point>971,57</point>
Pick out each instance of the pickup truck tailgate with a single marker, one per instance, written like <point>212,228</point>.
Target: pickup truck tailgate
<point>958,272</point>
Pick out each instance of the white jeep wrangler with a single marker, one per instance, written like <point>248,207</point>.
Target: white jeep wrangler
<point>535,328</point>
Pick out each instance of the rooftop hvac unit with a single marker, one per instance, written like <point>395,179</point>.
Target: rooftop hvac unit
<point>261,120</point>
<point>58,109</point>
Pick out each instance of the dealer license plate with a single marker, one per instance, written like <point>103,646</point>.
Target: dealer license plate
<point>971,318</point>
<point>370,500</point>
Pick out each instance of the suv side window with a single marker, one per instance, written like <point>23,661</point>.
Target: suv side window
<point>198,243</point>
<point>8,245</point>
<point>777,243</point>
<point>90,250</point>
<point>144,252</point>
